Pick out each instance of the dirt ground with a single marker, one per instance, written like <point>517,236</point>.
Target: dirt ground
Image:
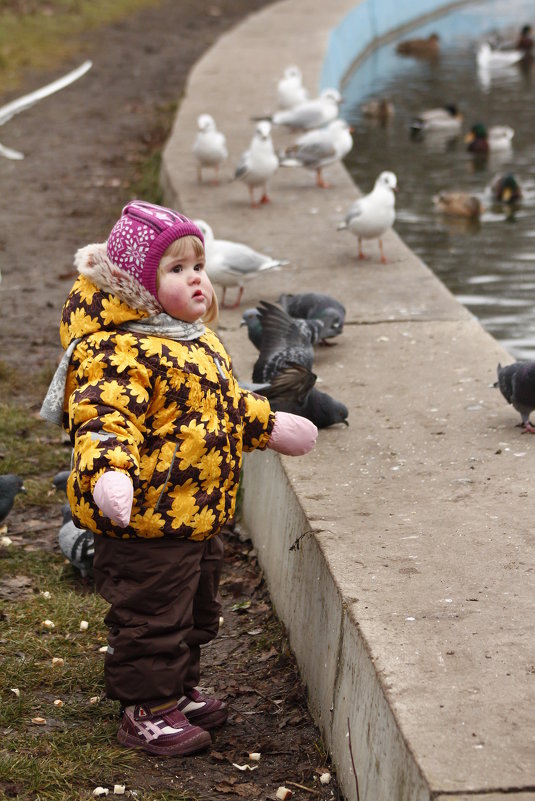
<point>82,149</point>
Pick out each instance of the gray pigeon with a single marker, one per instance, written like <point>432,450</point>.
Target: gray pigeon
<point>284,341</point>
<point>10,485</point>
<point>516,382</point>
<point>292,390</point>
<point>316,306</point>
<point>76,544</point>
<point>252,318</point>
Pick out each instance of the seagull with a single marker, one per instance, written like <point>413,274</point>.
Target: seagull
<point>373,215</point>
<point>232,264</point>
<point>312,113</point>
<point>290,89</point>
<point>283,341</point>
<point>447,119</point>
<point>318,148</point>
<point>10,486</point>
<point>26,101</point>
<point>316,306</point>
<point>209,147</point>
<point>490,58</point>
<point>258,163</point>
<point>292,390</point>
<point>516,382</point>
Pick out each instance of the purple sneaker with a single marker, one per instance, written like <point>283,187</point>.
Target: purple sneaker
<point>200,710</point>
<point>161,730</point>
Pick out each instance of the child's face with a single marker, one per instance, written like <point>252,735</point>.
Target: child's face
<point>184,289</point>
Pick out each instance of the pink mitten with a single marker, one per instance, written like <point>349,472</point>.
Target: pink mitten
<point>113,494</point>
<point>292,434</point>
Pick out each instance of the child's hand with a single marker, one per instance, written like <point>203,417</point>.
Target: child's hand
<point>113,495</point>
<point>292,434</point>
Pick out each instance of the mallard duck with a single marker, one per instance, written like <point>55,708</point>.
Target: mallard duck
<point>481,141</point>
<point>420,47</point>
<point>525,40</point>
<point>458,204</point>
<point>379,109</point>
<point>506,189</point>
<point>445,119</point>
<point>489,57</point>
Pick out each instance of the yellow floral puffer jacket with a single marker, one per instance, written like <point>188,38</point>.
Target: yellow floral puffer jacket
<point>169,414</point>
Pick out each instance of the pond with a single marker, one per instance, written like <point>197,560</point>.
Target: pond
<point>489,264</point>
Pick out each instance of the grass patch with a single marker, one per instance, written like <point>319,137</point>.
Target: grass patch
<point>39,36</point>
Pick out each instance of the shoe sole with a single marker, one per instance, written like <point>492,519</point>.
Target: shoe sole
<point>199,742</point>
<point>209,721</point>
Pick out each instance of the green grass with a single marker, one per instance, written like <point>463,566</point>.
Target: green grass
<point>39,35</point>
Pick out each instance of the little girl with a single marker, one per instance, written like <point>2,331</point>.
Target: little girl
<point>158,425</point>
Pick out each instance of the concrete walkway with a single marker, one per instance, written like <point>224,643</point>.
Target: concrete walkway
<point>400,553</point>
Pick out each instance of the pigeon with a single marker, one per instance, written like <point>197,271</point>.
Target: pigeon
<point>447,119</point>
<point>258,163</point>
<point>310,114</point>
<point>10,486</point>
<point>76,544</point>
<point>497,139</point>
<point>292,390</point>
<point>209,147</point>
<point>284,341</point>
<point>231,264</point>
<point>290,89</point>
<point>373,215</point>
<point>516,382</point>
<point>252,318</point>
<point>316,306</point>
<point>318,148</point>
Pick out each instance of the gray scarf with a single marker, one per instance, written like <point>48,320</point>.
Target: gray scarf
<point>158,325</point>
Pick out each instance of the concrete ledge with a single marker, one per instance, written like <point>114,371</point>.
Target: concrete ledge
<point>409,601</point>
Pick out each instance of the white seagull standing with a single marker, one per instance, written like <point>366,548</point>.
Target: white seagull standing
<point>312,113</point>
<point>373,215</point>
<point>318,148</point>
<point>209,147</point>
<point>290,89</point>
<point>232,264</point>
<point>258,163</point>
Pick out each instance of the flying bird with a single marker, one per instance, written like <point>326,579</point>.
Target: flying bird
<point>318,148</point>
<point>284,341</point>
<point>209,147</point>
<point>371,216</point>
<point>312,113</point>
<point>516,382</point>
<point>10,486</point>
<point>293,390</point>
<point>258,163</point>
<point>233,264</point>
<point>316,306</point>
<point>290,89</point>
<point>313,329</point>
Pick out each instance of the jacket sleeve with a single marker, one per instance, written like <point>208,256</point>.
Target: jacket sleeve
<point>258,420</point>
<point>106,410</point>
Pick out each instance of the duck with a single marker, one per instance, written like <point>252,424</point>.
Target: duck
<point>489,57</point>
<point>446,119</point>
<point>378,108</point>
<point>424,48</point>
<point>525,40</point>
<point>458,204</point>
<point>505,188</point>
<point>482,141</point>
<point>318,148</point>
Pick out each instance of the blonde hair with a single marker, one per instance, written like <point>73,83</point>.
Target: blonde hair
<point>176,250</point>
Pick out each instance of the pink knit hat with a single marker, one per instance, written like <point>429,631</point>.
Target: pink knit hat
<point>140,237</point>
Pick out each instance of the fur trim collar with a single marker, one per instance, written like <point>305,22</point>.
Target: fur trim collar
<point>93,262</point>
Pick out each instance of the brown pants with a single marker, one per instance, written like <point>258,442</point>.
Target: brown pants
<point>164,605</point>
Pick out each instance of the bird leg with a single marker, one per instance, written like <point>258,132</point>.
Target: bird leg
<point>361,252</point>
<point>383,257</point>
<point>529,428</point>
<point>215,181</point>
<point>199,174</point>
<point>320,181</point>
<point>254,204</point>
<point>231,305</point>
<point>238,301</point>
<point>264,198</point>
